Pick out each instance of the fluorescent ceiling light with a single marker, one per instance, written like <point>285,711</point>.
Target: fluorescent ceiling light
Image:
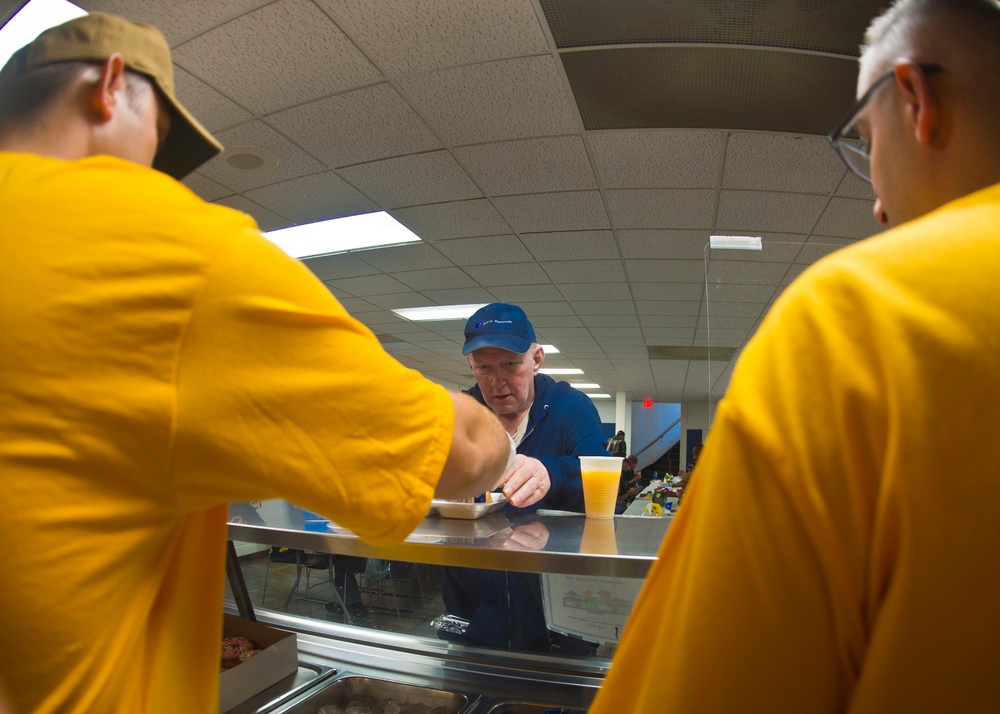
<point>584,385</point>
<point>342,234</point>
<point>31,20</point>
<point>598,396</point>
<point>438,312</point>
<point>549,349</point>
<point>560,370</point>
<point>735,242</point>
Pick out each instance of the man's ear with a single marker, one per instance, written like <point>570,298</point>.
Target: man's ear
<point>108,90</point>
<point>922,106</point>
<point>537,357</point>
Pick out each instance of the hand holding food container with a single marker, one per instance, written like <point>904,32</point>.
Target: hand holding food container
<point>601,475</point>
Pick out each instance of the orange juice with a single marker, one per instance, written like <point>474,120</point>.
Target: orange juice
<point>599,536</point>
<point>601,475</point>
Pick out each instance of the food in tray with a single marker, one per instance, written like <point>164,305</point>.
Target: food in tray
<point>236,650</point>
<point>468,511</point>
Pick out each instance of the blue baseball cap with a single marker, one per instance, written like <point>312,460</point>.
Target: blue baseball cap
<point>499,325</point>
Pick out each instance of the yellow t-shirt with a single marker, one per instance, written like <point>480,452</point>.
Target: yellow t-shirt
<point>159,358</point>
<point>838,548</point>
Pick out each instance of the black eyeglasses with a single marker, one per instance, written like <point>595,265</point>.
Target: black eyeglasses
<point>855,153</point>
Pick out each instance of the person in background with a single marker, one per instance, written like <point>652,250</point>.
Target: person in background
<point>159,359</point>
<point>617,445</point>
<point>819,564</point>
<point>685,476</point>
<point>629,486</point>
<point>552,424</point>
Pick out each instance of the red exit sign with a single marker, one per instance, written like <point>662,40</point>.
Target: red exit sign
<point>647,403</point>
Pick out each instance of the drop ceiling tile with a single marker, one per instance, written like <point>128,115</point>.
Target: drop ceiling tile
<point>793,272</point>
<point>355,127</point>
<point>819,247</point>
<point>494,101</point>
<point>523,294</point>
<point>249,58</point>
<point>655,208</point>
<point>595,291</point>
<point>775,248</point>
<point>541,322</point>
<point>759,211</point>
<point>554,307</point>
<point>529,166</point>
<point>730,271</point>
<point>657,158</point>
<point>402,328</point>
<point>615,332</point>
<point>341,265</point>
<point>337,292</point>
<point>853,187</point>
<point>292,161</point>
<point>718,308</point>
<point>604,307</point>
<point>213,110</point>
<point>718,322</point>
<point>667,291</point>
<point>729,337</point>
<point>584,271</point>
<point>432,177</point>
<point>395,301</point>
<point>415,256</point>
<point>688,321</point>
<point>176,26</point>
<point>408,36</point>
<point>458,219</point>
<point>848,218</point>
<point>722,292</point>
<point>610,320</point>
<point>667,307</point>
<point>266,220</point>
<point>555,334</point>
<point>669,336</point>
<point>781,162</point>
<point>508,274</point>
<point>430,279</point>
<point>372,285</point>
<point>581,245</point>
<point>541,212</point>
<point>357,306</point>
<point>205,187</point>
<point>485,250</point>
<point>674,271</point>
<point>385,319</point>
<point>317,197</point>
<point>663,243</point>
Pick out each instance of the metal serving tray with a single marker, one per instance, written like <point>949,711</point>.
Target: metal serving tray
<point>284,690</point>
<point>414,699</point>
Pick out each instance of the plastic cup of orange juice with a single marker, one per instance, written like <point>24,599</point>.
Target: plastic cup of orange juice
<point>601,475</point>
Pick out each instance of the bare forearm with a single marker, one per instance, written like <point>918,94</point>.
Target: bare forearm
<point>479,451</point>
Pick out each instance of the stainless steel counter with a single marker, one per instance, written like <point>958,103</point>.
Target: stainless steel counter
<point>547,542</point>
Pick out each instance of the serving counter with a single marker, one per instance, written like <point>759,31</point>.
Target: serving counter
<point>488,680</point>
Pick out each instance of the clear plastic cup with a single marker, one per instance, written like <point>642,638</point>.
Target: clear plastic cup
<point>601,475</point>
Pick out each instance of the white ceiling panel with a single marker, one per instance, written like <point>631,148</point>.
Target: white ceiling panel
<point>494,101</point>
<point>485,250</point>
<point>775,248</point>
<point>409,36</point>
<point>251,59</point>
<point>508,274</point>
<point>372,285</point>
<point>584,271</point>
<point>668,307</point>
<point>583,245</point>
<point>412,180</point>
<point>689,245</point>
<point>459,296</point>
<point>662,335</point>
<point>649,208</point>
<point>595,291</point>
<point>821,246</point>
<point>176,26</point>
<point>431,279</point>
<point>658,158</point>
<point>736,309</point>
<point>558,163</point>
<point>674,271</point>
<point>667,291</point>
<point>723,292</point>
<point>684,321</point>
<point>214,111</point>
<point>400,258</point>
<point>527,293</point>
<point>848,218</point>
<point>853,187</point>
<point>292,161</point>
<point>730,271</point>
<point>604,307</point>
<point>543,212</point>
<point>611,321</point>
<point>458,219</point>
<point>552,308</point>
<point>355,127</point>
<point>205,187</point>
<point>395,301</point>
<point>760,212</point>
<point>342,265</point>
<point>312,198</point>
<point>778,162</point>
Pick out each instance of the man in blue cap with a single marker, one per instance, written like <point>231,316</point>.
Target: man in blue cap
<point>552,425</point>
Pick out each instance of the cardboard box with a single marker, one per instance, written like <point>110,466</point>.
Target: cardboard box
<point>278,658</point>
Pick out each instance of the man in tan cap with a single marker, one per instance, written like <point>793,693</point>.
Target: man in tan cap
<point>160,358</point>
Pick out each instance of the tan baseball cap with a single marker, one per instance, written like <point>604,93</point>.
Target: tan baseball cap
<point>94,38</point>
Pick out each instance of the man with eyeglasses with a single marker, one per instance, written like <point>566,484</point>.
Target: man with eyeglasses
<point>819,562</point>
